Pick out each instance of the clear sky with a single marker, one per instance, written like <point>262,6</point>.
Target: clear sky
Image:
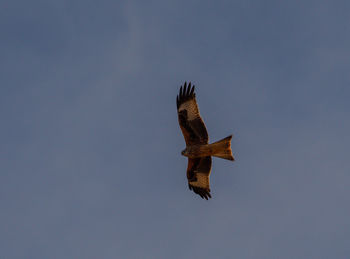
<point>90,144</point>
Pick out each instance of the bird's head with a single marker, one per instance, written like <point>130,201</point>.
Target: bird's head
<point>184,152</point>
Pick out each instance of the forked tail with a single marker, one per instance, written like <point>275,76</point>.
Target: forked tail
<point>222,148</point>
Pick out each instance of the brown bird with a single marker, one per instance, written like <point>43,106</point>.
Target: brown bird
<point>198,151</point>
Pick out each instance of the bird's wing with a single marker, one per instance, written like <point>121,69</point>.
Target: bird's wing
<point>198,172</point>
<point>191,123</point>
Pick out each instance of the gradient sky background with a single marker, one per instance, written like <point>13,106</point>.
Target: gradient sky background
<point>90,143</point>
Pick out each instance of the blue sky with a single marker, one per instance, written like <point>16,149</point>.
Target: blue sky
<point>90,143</point>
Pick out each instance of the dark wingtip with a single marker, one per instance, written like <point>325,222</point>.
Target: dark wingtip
<point>192,90</point>
<point>205,194</point>
<point>186,93</point>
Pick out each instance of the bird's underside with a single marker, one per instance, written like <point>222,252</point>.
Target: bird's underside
<point>198,151</point>
<point>221,148</point>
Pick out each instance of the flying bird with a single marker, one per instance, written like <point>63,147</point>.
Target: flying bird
<point>198,150</point>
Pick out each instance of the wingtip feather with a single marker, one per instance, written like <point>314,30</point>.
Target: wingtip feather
<point>186,93</point>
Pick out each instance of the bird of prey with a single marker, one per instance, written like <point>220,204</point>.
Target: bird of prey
<point>198,151</point>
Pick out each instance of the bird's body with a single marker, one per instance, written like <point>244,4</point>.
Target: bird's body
<point>220,149</point>
<point>198,150</point>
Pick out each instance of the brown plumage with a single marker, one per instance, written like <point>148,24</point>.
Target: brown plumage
<point>198,151</point>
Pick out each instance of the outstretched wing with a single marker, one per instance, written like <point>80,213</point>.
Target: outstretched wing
<point>198,172</point>
<point>191,123</point>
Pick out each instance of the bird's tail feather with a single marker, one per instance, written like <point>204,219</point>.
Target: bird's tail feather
<point>222,148</point>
